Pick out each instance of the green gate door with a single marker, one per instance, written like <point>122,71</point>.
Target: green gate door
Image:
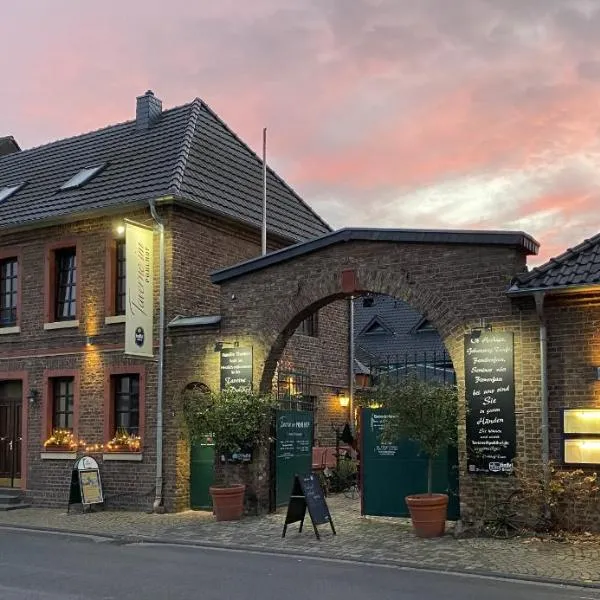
<point>389,473</point>
<point>293,450</point>
<point>202,470</point>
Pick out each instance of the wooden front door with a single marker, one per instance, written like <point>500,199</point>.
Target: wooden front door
<point>11,397</point>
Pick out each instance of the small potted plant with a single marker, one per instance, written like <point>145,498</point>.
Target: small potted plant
<point>425,413</point>
<point>61,440</point>
<point>123,441</point>
<point>238,423</point>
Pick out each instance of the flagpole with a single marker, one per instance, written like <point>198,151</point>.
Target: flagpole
<point>264,209</point>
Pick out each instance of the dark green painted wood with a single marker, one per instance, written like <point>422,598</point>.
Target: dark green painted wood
<point>202,471</point>
<point>390,473</point>
<point>294,439</point>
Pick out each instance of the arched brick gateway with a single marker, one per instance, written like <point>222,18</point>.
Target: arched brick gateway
<point>458,279</point>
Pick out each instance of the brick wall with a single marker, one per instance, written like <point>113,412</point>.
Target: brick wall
<point>35,351</point>
<point>199,247</point>
<point>454,286</point>
<point>194,247</point>
<point>573,333</point>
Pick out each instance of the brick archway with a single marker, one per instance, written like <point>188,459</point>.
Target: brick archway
<point>330,286</point>
<point>456,279</point>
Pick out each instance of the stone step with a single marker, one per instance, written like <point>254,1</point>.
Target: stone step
<point>12,500</point>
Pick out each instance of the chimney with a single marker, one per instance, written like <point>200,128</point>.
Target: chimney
<point>148,110</point>
<point>8,145</point>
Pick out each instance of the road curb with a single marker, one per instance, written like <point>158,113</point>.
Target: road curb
<point>128,540</point>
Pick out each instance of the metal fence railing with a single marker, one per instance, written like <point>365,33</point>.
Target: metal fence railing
<point>427,366</point>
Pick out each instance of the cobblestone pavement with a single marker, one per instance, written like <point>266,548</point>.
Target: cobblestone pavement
<point>358,538</point>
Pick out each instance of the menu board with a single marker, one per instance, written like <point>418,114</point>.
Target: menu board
<point>294,434</point>
<point>236,369</point>
<point>91,489</point>
<point>376,446</point>
<point>490,401</point>
<point>307,495</point>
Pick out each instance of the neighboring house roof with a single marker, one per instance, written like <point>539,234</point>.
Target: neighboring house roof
<point>512,239</point>
<point>187,154</point>
<point>401,334</point>
<point>577,268</point>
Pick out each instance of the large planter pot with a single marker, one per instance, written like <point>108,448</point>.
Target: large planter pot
<point>228,501</point>
<point>428,514</point>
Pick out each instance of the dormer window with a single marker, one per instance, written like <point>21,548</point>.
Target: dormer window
<point>82,177</point>
<point>376,327</point>
<point>8,191</point>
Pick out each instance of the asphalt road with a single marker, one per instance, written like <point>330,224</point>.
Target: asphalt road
<point>55,567</point>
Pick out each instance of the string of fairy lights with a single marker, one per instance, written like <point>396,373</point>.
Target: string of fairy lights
<point>65,438</point>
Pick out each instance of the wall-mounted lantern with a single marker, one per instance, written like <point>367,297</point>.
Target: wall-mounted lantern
<point>343,399</point>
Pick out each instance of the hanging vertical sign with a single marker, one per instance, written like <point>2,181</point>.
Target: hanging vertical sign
<point>490,400</point>
<point>140,290</point>
<point>236,369</point>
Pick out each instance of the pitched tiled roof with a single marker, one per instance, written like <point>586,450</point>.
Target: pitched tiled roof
<point>189,154</point>
<point>401,336</point>
<point>575,268</point>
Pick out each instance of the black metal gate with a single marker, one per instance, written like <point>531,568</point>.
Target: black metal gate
<point>10,433</point>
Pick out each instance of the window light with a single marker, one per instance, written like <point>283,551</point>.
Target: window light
<point>8,191</point>
<point>82,177</point>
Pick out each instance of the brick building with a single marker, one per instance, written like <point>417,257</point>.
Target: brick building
<point>63,289</point>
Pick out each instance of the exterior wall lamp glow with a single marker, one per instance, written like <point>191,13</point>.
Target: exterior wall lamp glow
<point>343,399</point>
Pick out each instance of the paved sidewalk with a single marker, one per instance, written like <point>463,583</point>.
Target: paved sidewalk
<point>381,540</point>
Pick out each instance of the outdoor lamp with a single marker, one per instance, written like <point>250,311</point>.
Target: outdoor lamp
<point>343,399</point>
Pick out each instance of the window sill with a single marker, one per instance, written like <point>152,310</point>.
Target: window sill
<point>123,456</point>
<point>10,330</point>
<point>58,455</point>
<point>61,325</point>
<point>115,319</point>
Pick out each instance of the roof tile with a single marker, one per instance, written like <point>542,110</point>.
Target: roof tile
<point>577,267</point>
<point>189,153</point>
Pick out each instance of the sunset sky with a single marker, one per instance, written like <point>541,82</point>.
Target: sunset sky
<point>381,113</point>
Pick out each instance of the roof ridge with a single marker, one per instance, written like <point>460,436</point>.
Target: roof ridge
<point>560,259</point>
<point>186,144</point>
<point>281,181</point>
<point>86,133</point>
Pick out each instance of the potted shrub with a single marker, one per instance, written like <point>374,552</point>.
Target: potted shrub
<point>425,413</point>
<point>238,423</point>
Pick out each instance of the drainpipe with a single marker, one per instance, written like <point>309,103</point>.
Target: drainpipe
<point>158,500</point>
<point>539,307</point>
<point>351,359</point>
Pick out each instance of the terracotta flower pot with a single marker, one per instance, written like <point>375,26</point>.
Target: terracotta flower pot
<point>428,514</point>
<point>228,501</point>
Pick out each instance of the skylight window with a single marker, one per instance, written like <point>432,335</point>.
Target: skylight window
<point>8,191</point>
<point>82,177</point>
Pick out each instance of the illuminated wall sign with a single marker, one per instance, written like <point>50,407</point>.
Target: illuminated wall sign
<point>236,369</point>
<point>140,290</point>
<point>490,400</point>
<point>581,436</point>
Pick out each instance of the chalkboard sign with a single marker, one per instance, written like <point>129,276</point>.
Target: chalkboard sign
<point>490,399</point>
<point>86,485</point>
<point>236,369</point>
<point>307,494</point>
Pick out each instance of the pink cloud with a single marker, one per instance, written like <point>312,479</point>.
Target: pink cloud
<point>365,102</point>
